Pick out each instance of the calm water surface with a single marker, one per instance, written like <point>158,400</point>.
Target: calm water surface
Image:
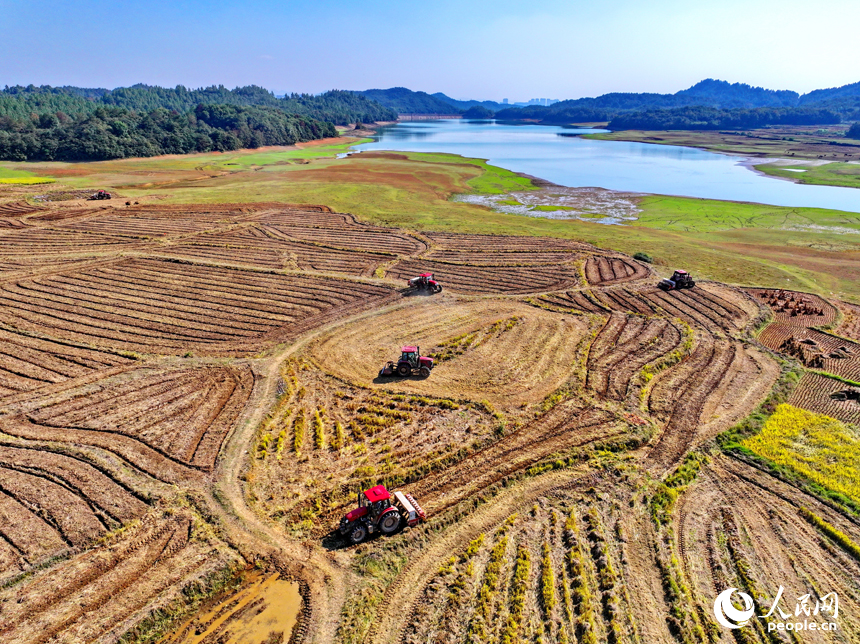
<point>551,153</point>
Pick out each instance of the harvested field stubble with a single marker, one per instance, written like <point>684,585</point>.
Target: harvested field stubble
<point>28,363</point>
<point>149,305</point>
<point>526,431</point>
<point>612,270</point>
<point>384,436</point>
<point>98,593</point>
<point>740,527</point>
<point>522,365</point>
<point>464,278</point>
<point>829,396</point>
<point>181,414</point>
<point>796,309</point>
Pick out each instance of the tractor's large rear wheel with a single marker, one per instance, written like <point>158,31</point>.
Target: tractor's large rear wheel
<point>358,534</point>
<point>403,369</point>
<point>390,522</point>
<point>425,372</point>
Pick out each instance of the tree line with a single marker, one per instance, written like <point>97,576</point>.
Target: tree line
<point>709,118</point>
<point>110,132</point>
<point>336,106</point>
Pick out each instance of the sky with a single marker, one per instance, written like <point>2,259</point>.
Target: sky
<point>465,48</point>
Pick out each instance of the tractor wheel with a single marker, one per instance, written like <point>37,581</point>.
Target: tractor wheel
<point>691,284</point>
<point>425,372</point>
<point>358,534</point>
<point>403,369</point>
<point>390,522</point>
<point>438,288</point>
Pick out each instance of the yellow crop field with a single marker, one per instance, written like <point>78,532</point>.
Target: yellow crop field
<point>818,447</point>
<point>26,181</point>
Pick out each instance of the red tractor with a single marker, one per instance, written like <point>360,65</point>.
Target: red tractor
<point>379,511</point>
<point>98,196</point>
<point>680,279</point>
<point>425,282</point>
<point>411,363</point>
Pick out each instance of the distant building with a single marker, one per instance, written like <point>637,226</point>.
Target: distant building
<point>542,101</point>
<point>504,101</point>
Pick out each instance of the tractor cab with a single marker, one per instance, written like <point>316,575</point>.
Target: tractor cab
<point>371,503</point>
<point>410,356</point>
<point>376,500</point>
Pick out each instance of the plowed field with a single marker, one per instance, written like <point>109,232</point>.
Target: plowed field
<point>183,415</point>
<point>711,306</point>
<point>269,247</point>
<point>187,388</point>
<point>159,306</point>
<point>96,594</point>
<point>463,278</point>
<point>32,242</point>
<point>611,270</point>
<point>740,528</point>
<point>28,363</point>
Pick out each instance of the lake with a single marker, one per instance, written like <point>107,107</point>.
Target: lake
<point>556,154</point>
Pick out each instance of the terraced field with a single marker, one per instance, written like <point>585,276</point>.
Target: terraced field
<point>190,391</point>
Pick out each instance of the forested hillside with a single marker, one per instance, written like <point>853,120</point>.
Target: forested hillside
<point>714,94</point>
<point>338,107</point>
<point>116,132</point>
<point>709,118</point>
<point>465,105</point>
<point>405,101</point>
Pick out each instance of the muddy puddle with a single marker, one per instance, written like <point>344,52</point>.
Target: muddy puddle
<point>264,611</point>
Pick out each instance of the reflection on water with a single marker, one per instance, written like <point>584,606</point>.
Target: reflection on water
<point>551,153</point>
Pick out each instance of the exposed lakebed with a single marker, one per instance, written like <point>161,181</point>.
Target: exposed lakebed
<point>558,155</point>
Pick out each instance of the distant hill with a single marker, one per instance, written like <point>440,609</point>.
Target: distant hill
<point>711,118</point>
<point>717,93</point>
<point>830,95</point>
<point>708,93</point>
<point>405,101</point>
<point>465,105</point>
<point>338,107</point>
